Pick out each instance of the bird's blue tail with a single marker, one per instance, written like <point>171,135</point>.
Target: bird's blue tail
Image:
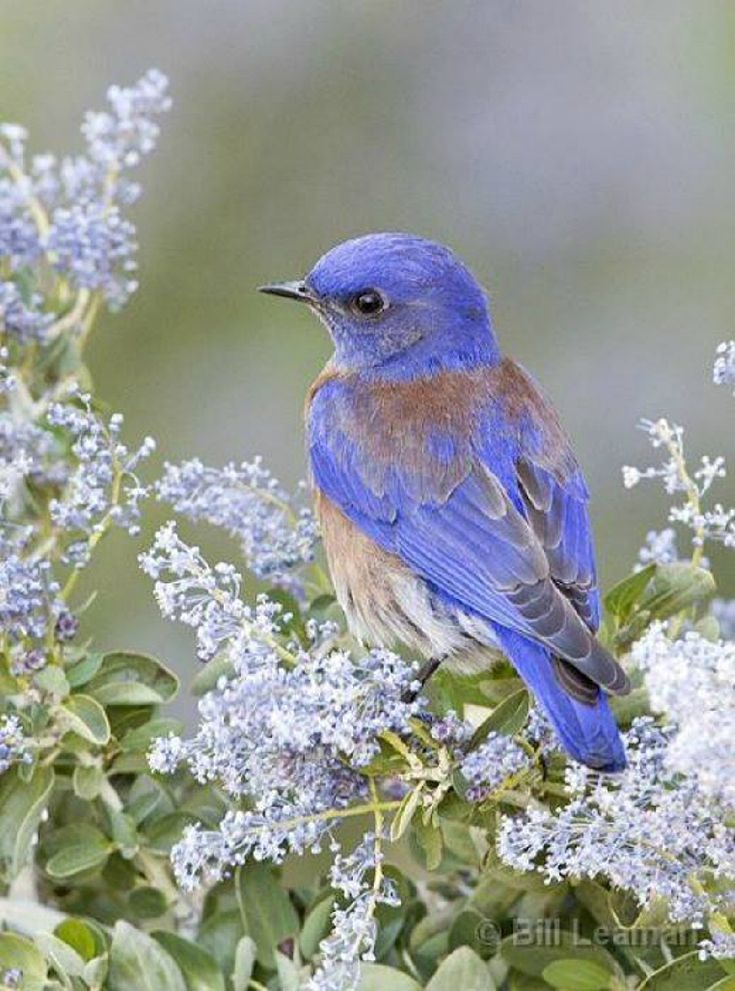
<point>589,733</point>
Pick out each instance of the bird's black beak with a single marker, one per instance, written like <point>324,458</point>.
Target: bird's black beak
<point>290,290</point>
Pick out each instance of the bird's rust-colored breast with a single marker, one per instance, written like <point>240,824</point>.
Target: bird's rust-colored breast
<point>425,427</point>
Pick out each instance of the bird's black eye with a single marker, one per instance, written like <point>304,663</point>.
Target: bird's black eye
<point>368,303</point>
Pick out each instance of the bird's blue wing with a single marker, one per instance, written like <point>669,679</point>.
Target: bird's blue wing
<point>556,506</point>
<point>508,541</point>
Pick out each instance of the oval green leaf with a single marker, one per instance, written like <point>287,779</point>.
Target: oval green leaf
<point>462,969</point>
<point>86,717</point>
<point>22,804</point>
<point>529,954</point>
<point>74,849</point>
<point>686,973</point>
<point>577,975</point>
<point>200,970</point>
<point>268,915</point>
<point>244,963</point>
<point>376,977</point>
<point>138,963</point>
<point>508,717</point>
<point>129,679</point>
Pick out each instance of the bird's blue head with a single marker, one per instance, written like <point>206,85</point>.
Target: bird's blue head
<point>398,307</point>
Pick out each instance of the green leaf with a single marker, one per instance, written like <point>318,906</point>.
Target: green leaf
<point>19,952</point>
<point>52,681</point>
<point>686,973</point>
<point>672,589</point>
<point>626,708</point>
<point>244,963</point>
<point>462,970</point>
<point>622,597</point>
<point>200,970</point>
<point>86,718</point>
<point>316,926</point>
<point>80,936</point>
<point>87,781</point>
<point>221,935</point>
<point>288,974</point>
<point>138,963</point>
<point>147,903</point>
<point>268,914</point>
<point>508,717</point>
<point>76,848</point>
<point>404,813</point>
<point>468,929</point>
<point>577,975</point>
<point>124,833</point>
<point>130,679</point>
<point>675,587</point>
<point>430,840</point>
<point>21,806</point>
<point>376,977</point>
<point>530,954</point>
<point>81,672</point>
<point>95,972</point>
<point>459,842</point>
<point>58,953</point>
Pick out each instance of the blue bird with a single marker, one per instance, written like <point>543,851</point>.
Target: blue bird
<point>453,511</point>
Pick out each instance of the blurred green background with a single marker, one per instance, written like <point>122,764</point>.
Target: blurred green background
<point>578,155</point>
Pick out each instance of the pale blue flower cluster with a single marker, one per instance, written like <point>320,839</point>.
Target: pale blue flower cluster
<point>12,977</point>
<point>354,926</point>
<point>14,747</point>
<point>68,211</point>
<point>714,523</point>
<point>277,531</point>
<point>95,246</point>
<point>65,475</point>
<point>660,548</point>
<point>23,322</point>
<point>723,372</point>
<point>497,759</point>
<point>102,486</point>
<point>288,733</point>
<point>650,830</point>
<point>29,602</point>
<point>692,681</point>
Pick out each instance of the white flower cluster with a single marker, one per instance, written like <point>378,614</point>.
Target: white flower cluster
<point>276,531</point>
<point>355,929</point>
<point>649,830</point>
<point>496,760</point>
<point>13,743</point>
<point>287,735</point>
<point>716,523</point>
<point>65,475</point>
<point>660,548</point>
<point>103,487</point>
<point>68,210</point>
<point>692,681</point>
<point>723,372</point>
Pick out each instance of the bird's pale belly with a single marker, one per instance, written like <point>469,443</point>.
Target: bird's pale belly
<point>385,604</point>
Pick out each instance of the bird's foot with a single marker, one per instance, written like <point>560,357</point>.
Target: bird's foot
<point>425,672</point>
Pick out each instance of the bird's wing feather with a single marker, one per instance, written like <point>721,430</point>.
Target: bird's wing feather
<point>516,552</point>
